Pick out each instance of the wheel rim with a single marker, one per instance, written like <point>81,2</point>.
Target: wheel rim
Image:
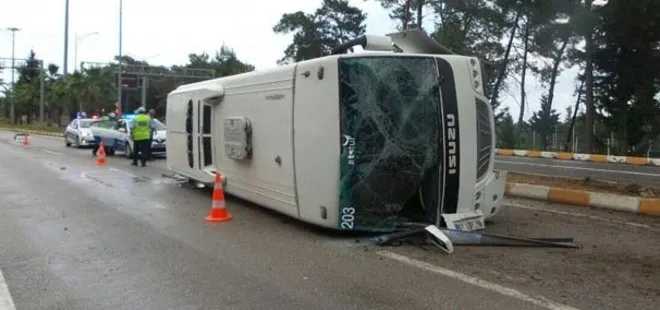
<point>127,150</point>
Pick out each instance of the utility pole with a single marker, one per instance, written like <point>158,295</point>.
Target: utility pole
<point>12,107</point>
<point>145,85</point>
<point>119,81</point>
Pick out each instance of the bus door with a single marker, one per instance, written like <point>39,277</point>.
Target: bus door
<point>198,134</point>
<point>204,137</point>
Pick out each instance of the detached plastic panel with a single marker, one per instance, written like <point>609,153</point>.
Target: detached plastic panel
<point>238,137</point>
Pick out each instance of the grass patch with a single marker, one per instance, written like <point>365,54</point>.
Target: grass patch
<point>587,184</point>
<point>33,126</point>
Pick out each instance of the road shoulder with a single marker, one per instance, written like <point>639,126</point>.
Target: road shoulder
<point>596,158</point>
<point>618,255</point>
<point>578,197</point>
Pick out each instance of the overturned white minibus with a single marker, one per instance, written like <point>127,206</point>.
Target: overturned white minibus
<point>362,141</point>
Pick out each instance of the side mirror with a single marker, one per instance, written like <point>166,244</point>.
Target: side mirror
<point>438,238</point>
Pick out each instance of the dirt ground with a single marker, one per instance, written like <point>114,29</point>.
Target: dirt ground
<point>587,184</point>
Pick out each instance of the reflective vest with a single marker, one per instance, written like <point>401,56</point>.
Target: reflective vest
<point>142,127</point>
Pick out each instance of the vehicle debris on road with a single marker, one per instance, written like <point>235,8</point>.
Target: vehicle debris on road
<point>445,239</point>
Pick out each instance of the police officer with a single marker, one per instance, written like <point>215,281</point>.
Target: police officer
<point>140,134</point>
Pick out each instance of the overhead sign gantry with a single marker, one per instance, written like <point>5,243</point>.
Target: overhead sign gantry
<point>134,76</point>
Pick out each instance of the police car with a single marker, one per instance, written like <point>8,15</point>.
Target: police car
<point>115,135</point>
<point>79,133</point>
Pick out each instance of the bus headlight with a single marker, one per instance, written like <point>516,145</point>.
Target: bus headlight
<point>476,76</point>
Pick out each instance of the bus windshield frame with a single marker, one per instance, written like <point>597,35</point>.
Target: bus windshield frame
<point>391,139</point>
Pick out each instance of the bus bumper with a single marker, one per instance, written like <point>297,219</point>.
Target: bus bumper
<point>494,197</point>
<point>487,203</point>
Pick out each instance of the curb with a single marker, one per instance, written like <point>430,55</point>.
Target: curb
<point>34,132</point>
<point>597,158</point>
<point>637,205</point>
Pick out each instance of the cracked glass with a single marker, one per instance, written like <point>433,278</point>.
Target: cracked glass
<point>390,133</point>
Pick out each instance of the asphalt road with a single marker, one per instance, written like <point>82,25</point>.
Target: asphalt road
<point>76,236</point>
<point>643,175</point>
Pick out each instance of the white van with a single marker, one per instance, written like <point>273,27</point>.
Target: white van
<point>362,141</point>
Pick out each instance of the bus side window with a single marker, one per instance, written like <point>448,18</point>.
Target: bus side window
<point>189,113</point>
<point>189,125</point>
<point>206,125</point>
<point>206,138</point>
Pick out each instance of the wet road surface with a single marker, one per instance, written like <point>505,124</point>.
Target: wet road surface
<point>76,236</point>
<point>643,175</point>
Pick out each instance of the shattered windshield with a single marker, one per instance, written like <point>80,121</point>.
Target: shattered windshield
<point>390,129</point>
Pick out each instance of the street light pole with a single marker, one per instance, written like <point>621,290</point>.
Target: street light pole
<point>12,107</point>
<point>65,68</point>
<point>75,51</point>
<point>119,86</point>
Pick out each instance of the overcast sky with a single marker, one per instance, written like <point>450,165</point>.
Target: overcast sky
<point>164,33</point>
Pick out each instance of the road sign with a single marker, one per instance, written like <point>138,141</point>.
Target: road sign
<point>129,81</point>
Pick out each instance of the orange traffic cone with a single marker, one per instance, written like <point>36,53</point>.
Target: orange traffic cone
<point>218,208</point>
<point>26,143</point>
<point>100,155</point>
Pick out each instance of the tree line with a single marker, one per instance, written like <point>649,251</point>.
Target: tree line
<point>94,89</point>
<point>614,44</point>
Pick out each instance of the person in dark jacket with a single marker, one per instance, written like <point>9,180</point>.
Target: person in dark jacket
<point>152,114</point>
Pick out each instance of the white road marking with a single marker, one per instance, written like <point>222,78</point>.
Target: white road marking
<point>45,137</point>
<point>580,168</point>
<point>500,289</point>
<point>123,172</point>
<point>51,152</point>
<point>6,303</point>
<point>591,217</point>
